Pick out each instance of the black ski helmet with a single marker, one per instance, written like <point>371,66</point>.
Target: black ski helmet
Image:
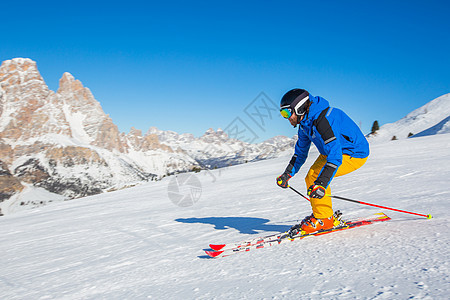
<point>295,100</point>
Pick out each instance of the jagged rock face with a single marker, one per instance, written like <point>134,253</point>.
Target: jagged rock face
<point>9,185</point>
<point>32,172</point>
<point>72,155</point>
<point>64,142</point>
<point>146,143</point>
<point>89,122</point>
<point>6,153</point>
<point>29,109</point>
<point>66,171</point>
<point>212,136</point>
<point>151,141</point>
<point>24,94</point>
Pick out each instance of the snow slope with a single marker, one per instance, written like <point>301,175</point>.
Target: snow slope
<point>432,118</point>
<point>136,244</point>
<point>439,128</point>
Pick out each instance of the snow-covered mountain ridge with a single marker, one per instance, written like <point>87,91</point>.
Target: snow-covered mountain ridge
<point>431,118</point>
<point>215,149</point>
<point>64,142</point>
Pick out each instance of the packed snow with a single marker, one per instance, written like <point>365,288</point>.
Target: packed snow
<point>137,244</point>
<point>30,197</point>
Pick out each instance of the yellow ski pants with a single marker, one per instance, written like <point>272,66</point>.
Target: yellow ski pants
<point>322,208</point>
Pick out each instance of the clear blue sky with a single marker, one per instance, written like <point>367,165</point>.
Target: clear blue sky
<point>187,66</point>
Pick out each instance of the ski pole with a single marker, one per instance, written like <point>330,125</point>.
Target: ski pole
<point>365,203</point>
<point>299,193</point>
<point>379,206</point>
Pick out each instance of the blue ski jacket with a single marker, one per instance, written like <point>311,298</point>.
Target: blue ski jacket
<point>333,133</point>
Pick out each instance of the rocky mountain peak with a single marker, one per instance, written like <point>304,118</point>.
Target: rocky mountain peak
<point>23,93</point>
<point>25,68</point>
<point>64,142</point>
<point>209,131</point>
<point>78,97</point>
<point>135,132</point>
<point>67,81</point>
<point>212,136</point>
<point>88,122</point>
<point>20,76</point>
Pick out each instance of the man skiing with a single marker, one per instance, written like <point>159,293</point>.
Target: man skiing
<point>341,144</point>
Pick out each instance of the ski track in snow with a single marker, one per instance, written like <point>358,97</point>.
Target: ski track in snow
<point>136,244</point>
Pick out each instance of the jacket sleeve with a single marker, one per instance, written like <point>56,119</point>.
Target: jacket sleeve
<point>333,150</point>
<point>301,153</point>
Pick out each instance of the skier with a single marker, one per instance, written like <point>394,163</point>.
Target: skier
<point>341,144</point>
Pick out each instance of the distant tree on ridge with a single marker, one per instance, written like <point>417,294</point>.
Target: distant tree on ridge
<point>375,127</point>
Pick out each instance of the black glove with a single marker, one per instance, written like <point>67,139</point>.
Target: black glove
<point>316,191</point>
<point>282,180</point>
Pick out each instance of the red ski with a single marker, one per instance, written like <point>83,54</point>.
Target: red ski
<point>222,250</point>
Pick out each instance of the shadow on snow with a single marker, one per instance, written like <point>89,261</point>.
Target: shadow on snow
<point>244,225</point>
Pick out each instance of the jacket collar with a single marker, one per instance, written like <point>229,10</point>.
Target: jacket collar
<point>318,104</point>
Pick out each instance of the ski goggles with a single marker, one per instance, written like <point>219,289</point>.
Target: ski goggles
<point>286,112</point>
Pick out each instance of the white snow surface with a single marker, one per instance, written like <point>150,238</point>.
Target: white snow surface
<point>30,197</point>
<point>439,128</point>
<point>136,244</point>
<point>432,118</point>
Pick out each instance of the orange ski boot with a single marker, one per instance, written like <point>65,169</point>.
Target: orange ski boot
<point>312,224</point>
